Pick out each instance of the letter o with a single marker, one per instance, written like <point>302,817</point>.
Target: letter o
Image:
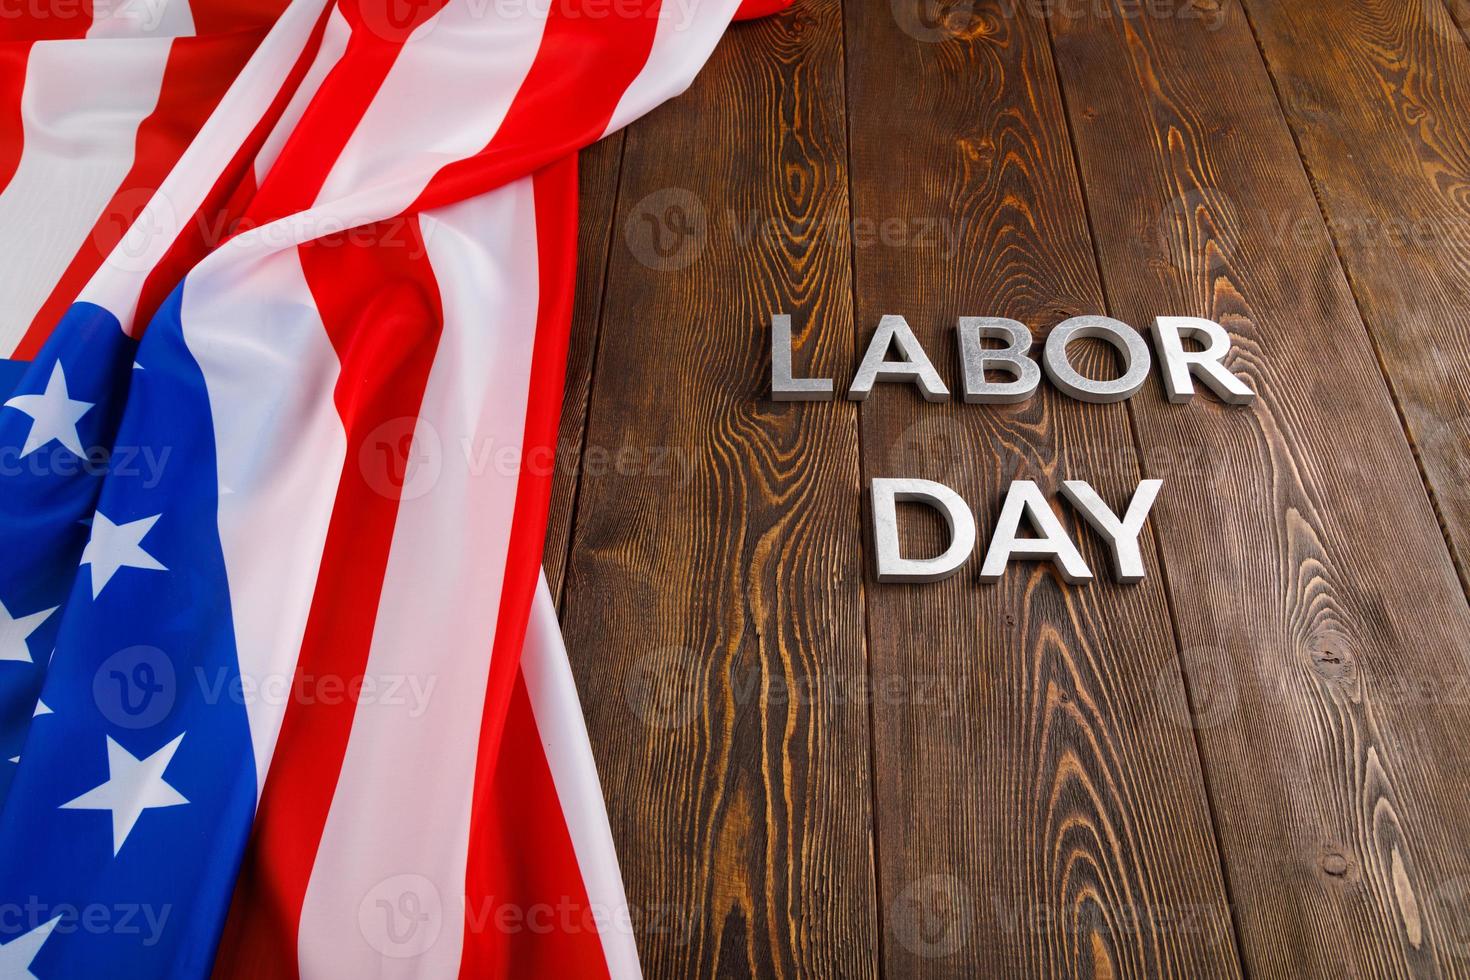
<point>1128,343</point>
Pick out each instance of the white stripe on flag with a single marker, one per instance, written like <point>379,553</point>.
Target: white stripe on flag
<point>334,43</point>
<point>81,107</point>
<point>271,374</point>
<point>553,695</point>
<point>141,18</point>
<point>687,32</point>
<point>400,816</point>
<point>120,280</point>
<point>464,64</point>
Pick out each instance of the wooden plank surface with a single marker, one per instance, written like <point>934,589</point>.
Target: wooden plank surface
<point>1019,783</point>
<point>1037,814</point>
<point>713,603</point>
<point>1314,597</point>
<point>1378,94</point>
<point>1460,11</point>
<point>598,170</point>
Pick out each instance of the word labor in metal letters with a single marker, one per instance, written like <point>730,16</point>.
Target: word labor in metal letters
<point>895,355</point>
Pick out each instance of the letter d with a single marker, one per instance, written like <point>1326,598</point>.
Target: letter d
<point>892,566</point>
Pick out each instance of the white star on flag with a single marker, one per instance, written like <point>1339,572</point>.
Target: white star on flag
<point>15,630</point>
<point>54,415</point>
<point>113,546</point>
<point>17,955</point>
<point>133,785</point>
<point>42,708</point>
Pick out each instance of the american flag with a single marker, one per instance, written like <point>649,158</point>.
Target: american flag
<point>282,690</point>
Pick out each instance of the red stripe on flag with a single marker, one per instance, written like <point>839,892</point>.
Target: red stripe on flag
<point>198,72</point>
<point>262,932</point>
<point>380,305</point>
<point>562,106</point>
<point>312,149</point>
<point>223,207</point>
<point>64,19</point>
<point>553,115</point>
<point>13,58</point>
<point>520,850</point>
<point>212,221</point>
<point>534,919</point>
<point>47,20</point>
<point>223,16</point>
<point>756,9</point>
<point>211,224</point>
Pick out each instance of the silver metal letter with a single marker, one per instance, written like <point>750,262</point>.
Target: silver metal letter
<point>1121,536</point>
<point>1025,499</point>
<point>1123,337</point>
<point>1204,364</point>
<point>915,366</point>
<point>893,567</point>
<point>785,387</point>
<point>977,358</point>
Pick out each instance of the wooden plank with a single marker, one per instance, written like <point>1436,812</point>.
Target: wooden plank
<point>1038,814</point>
<point>1460,11</point>
<point>1321,616</point>
<point>597,192</point>
<point>1378,93</point>
<point>713,606</point>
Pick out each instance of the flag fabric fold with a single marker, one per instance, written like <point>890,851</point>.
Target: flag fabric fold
<point>282,691</point>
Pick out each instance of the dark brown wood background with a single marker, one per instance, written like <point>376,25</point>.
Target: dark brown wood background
<point>1255,762</point>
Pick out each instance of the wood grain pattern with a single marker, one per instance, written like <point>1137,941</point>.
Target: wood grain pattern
<point>1039,815</point>
<point>1039,802</point>
<point>599,167</point>
<point>1308,573</point>
<point>1460,12</point>
<point>713,606</point>
<point>1378,94</point>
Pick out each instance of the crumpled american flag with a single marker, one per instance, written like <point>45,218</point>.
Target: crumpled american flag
<point>278,697</point>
